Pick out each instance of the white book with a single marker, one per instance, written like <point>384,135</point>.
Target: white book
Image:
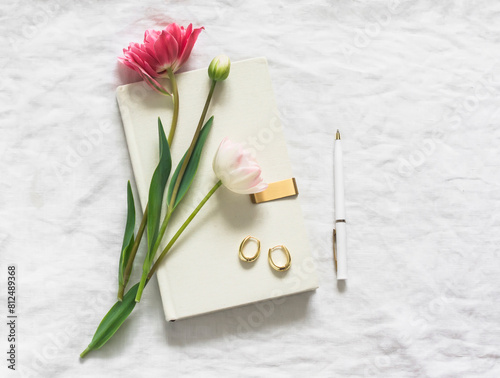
<point>203,273</point>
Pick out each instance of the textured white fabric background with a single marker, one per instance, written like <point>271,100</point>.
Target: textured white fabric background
<point>414,87</point>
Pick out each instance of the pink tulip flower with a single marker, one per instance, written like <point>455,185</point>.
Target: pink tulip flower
<point>237,169</point>
<point>162,51</point>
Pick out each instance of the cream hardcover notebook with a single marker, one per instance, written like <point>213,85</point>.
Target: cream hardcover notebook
<point>203,272</point>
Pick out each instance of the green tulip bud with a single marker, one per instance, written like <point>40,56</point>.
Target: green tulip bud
<point>219,68</point>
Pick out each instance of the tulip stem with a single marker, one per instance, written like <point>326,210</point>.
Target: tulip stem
<point>191,147</point>
<point>163,228</point>
<point>175,100</point>
<point>85,352</point>
<point>133,252</point>
<point>182,228</point>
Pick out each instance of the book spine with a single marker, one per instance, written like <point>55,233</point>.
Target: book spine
<point>166,298</point>
<point>122,97</point>
<point>142,183</point>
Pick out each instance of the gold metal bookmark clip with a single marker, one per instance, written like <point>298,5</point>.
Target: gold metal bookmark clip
<point>276,190</point>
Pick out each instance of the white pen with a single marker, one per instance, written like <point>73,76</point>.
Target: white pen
<point>339,233</point>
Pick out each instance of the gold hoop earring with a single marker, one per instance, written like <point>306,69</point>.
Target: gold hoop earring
<point>287,255</point>
<point>242,245</point>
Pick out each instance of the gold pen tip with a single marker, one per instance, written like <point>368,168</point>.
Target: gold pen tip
<point>337,136</point>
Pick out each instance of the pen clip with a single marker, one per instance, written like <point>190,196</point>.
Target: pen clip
<point>335,247</point>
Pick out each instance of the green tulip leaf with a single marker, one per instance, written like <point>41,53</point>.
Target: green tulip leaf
<point>192,166</point>
<point>113,320</point>
<point>156,191</point>
<point>155,200</point>
<point>128,237</point>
